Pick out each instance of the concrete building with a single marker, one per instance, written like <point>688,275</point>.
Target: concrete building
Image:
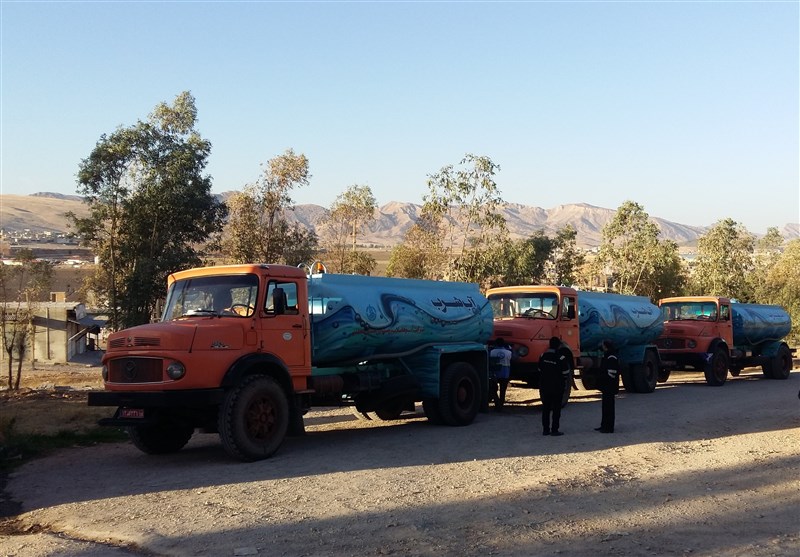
<point>61,330</point>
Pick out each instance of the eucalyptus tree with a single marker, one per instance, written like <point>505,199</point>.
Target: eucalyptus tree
<point>420,255</point>
<point>463,205</point>
<point>258,228</point>
<point>782,285</point>
<point>633,255</point>
<point>565,258</point>
<point>525,260</point>
<point>768,250</point>
<point>350,213</point>
<point>724,261</point>
<point>151,210</point>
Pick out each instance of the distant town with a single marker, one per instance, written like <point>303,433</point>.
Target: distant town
<point>57,247</point>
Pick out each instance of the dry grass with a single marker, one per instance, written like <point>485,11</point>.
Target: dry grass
<point>51,399</point>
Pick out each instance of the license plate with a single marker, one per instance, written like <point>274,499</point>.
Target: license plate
<point>136,413</point>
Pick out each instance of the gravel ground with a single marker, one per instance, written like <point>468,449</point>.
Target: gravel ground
<point>691,470</point>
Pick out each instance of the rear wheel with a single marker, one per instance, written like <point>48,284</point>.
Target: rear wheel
<point>391,410</point>
<point>716,371</point>
<point>160,439</point>
<point>645,375</point>
<point>254,418</point>
<point>460,394</point>
<point>587,380</point>
<point>782,363</point>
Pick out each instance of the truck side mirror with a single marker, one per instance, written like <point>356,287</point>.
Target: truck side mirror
<point>279,301</point>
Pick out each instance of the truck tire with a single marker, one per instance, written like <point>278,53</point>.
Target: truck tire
<point>588,379</point>
<point>160,439</point>
<point>716,370</point>
<point>460,394</point>
<point>626,374</point>
<point>254,418</point>
<point>645,375</point>
<point>782,363</point>
<point>392,410</point>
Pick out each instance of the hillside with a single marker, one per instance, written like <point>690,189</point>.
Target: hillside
<point>43,212</point>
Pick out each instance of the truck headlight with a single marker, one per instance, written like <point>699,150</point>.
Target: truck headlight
<point>691,343</point>
<point>104,372</point>
<point>522,351</point>
<point>175,370</point>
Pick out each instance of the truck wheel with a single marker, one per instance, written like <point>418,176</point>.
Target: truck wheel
<point>460,398</point>
<point>160,439</point>
<point>431,408</point>
<point>392,410</point>
<point>588,380</point>
<point>626,374</point>
<point>782,363</point>
<point>645,375</point>
<point>253,418</point>
<point>717,368</point>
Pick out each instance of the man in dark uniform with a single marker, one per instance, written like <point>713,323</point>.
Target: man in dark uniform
<point>553,371</point>
<point>608,382</point>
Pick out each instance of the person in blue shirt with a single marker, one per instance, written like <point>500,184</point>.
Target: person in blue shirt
<point>500,365</point>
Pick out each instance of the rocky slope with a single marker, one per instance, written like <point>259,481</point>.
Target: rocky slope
<point>45,212</point>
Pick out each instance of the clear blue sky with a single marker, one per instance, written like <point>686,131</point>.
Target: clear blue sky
<point>687,108</point>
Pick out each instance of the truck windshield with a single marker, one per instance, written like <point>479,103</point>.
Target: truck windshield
<point>525,304</point>
<point>223,296</point>
<point>689,311</point>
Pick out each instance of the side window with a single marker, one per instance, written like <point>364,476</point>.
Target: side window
<point>568,308</point>
<point>724,313</point>
<point>288,292</point>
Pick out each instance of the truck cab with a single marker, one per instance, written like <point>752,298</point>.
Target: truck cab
<point>717,336</point>
<point>526,317</point>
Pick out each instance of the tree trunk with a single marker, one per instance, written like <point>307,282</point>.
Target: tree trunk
<point>19,374</point>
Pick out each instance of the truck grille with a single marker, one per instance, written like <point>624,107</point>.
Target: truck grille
<point>671,343</point>
<point>135,341</point>
<point>135,370</point>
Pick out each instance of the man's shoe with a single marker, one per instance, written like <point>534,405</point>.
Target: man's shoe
<point>557,433</point>
<point>598,429</point>
<point>546,432</point>
<point>606,430</point>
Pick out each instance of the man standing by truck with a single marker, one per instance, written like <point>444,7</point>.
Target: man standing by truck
<point>500,357</point>
<point>609,385</point>
<point>553,370</point>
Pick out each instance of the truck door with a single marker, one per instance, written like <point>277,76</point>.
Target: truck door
<point>725,323</point>
<point>569,323</point>
<point>285,325</point>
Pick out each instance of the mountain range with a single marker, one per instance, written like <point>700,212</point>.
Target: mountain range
<point>45,212</point>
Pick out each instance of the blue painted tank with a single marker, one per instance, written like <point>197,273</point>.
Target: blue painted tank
<point>625,320</point>
<point>356,317</point>
<point>754,324</point>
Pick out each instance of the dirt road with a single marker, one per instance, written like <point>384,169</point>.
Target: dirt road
<point>691,470</point>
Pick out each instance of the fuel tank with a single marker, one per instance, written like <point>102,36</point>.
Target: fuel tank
<point>757,323</point>
<point>624,320</point>
<point>356,318</point>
